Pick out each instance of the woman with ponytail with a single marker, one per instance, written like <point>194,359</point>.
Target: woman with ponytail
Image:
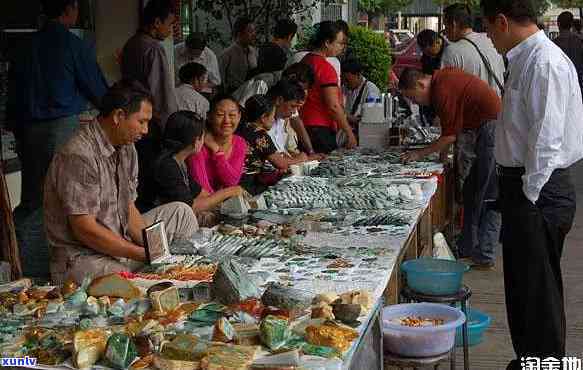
<point>183,137</point>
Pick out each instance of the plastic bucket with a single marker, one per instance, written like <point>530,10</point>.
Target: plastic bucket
<point>420,341</point>
<point>434,276</point>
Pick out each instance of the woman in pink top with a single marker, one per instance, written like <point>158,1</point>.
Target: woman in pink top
<point>220,163</point>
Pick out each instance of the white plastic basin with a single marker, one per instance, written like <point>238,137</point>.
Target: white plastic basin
<point>420,341</point>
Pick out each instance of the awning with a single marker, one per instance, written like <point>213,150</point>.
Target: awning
<point>422,8</point>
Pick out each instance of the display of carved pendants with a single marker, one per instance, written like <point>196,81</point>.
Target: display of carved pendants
<point>244,246</point>
<point>120,321</point>
<point>385,218</point>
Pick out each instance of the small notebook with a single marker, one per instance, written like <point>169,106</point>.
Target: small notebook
<point>156,244</point>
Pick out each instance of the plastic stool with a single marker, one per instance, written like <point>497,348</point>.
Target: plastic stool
<point>462,296</point>
<point>390,359</point>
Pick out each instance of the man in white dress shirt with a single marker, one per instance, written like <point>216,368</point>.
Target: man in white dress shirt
<point>539,137</point>
<point>477,182</point>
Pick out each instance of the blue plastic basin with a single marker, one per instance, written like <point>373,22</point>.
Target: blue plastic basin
<point>478,322</point>
<point>434,276</point>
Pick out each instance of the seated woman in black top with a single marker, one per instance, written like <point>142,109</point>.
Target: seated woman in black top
<point>264,166</point>
<point>184,136</point>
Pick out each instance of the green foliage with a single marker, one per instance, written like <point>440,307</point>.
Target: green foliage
<point>373,52</point>
<point>263,12</point>
<point>566,4</point>
<point>444,3</point>
<point>394,6</point>
<point>542,5</point>
<point>303,38</point>
<point>382,6</point>
<point>370,6</point>
<point>473,4</point>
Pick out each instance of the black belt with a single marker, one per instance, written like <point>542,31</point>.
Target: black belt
<point>510,171</point>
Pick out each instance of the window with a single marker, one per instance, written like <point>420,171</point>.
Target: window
<point>331,12</point>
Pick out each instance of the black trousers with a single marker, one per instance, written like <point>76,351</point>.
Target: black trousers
<point>323,139</point>
<point>533,237</point>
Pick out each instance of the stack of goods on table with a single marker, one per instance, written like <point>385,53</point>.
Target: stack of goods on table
<point>110,322</point>
<point>295,287</point>
<point>416,134</point>
<point>372,164</point>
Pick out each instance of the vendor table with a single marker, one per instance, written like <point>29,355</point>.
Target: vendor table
<point>366,351</point>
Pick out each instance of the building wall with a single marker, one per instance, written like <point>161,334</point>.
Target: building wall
<point>112,30</point>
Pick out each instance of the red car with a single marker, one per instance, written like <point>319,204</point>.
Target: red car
<point>405,56</point>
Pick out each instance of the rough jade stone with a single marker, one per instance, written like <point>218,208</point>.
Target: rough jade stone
<point>274,332</point>
<point>279,296</point>
<point>121,351</point>
<point>232,284</point>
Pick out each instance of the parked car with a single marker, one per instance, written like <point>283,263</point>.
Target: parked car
<point>397,37</point>
<point>407,55</point>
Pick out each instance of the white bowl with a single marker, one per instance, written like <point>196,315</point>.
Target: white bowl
<point>425,341</point>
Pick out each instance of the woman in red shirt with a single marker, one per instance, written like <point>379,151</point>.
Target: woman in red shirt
<point>322,113</point>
